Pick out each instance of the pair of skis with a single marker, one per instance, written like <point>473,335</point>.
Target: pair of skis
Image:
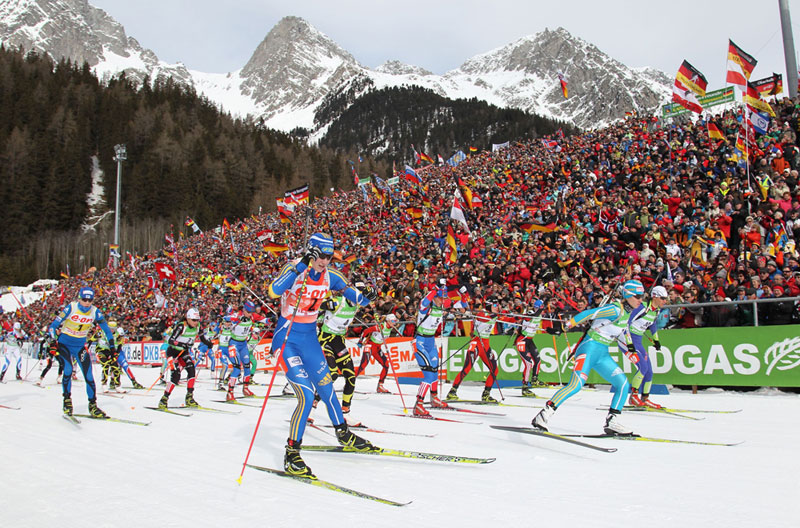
<point>314,481</point>
<point>571,438</point>
<point>73,419</point>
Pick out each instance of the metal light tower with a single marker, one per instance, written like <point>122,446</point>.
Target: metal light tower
<point>121,155</point>
<point>788,48</point>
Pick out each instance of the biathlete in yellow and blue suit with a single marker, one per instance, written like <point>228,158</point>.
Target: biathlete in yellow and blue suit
<point>303,285</point>
<point>76,321</point>
<point>607,323</point>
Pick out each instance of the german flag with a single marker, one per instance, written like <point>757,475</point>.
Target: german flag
<point>425,157</point>
<point>273,247</point>
<point>529,227</point>
<point>753,99</point>
<point>715,133</point>
<point>740,65</point>
<point>350,259</point>
<point>451,253</point>
<point>692,79</point>
<point>473,149</point>
<point>415,212</point>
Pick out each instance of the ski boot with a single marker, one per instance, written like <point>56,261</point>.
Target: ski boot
<point>19,375</point>
<point>95,411</point>
<point>67,406</point>
<point>137,385</point>
<point>421,411</point>
<point>436,403</point>
<point>229,395</point>
<point>351,441</point>
<point>486,397</point>
<point>345,408</point>
<point>246,392</point>
<point>287,390</point>
<point>649,404</point>
<point>453,394</point>
<point>527,392</point>
<point>190,401</point>
<point>613,427</point>
<point>382,390</point>
<point>540,420</point>
<point>58,379</point>
<point>537,384</point>
<point>40,382</point>
<point>293,464</point>
<point>634,399</point>
<point>162,403</point>
<point>2,375</point>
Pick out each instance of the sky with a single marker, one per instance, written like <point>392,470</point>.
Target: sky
<point>440,36</point>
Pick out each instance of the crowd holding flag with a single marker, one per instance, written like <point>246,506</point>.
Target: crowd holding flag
<point>752,98</point>
<point>740,66</point>
<point>296,196</point>
<point>457,213</point>
<point>190,223</point>
<point>689,84</point>
<point>772,85</point>
<point>451,252</point>
<point>715,133</point>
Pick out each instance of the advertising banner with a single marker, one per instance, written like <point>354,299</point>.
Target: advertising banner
<point>736,356</point>
<point>712,98</point>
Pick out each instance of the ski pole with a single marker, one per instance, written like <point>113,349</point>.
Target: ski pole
<point>396,378</point>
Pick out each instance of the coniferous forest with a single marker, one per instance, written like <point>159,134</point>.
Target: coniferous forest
<point>185,157</point>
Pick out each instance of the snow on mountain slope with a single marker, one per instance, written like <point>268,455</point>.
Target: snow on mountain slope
<point>296,66</point>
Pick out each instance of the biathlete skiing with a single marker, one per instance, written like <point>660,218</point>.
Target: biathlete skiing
<point>302,286</point>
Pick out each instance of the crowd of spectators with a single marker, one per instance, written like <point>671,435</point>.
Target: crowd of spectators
<point>566,221</point>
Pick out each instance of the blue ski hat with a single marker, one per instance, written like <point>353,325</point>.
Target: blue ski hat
<point>323,242</point>
<point>87,294</point>
<point>249,306</point>
<point>632,288</point>
<point>537,304</point>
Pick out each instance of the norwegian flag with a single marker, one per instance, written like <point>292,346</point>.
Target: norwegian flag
<point>165,271</point>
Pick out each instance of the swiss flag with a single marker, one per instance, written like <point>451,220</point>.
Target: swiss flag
<point>165,271</point>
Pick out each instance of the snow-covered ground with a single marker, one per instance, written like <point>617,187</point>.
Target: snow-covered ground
<point>182,471</point>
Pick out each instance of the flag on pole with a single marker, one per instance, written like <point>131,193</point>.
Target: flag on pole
<point>753,99</point>
<point>190,223</point>
<point>715,133</point>
<point>457,213</point>
<point>562,79</point>
<point>740,65</point>
<point>273,247</point>
<point>451,253</point>
<point>165,271</point>
<point>298,195</point>
<point>691,78</point>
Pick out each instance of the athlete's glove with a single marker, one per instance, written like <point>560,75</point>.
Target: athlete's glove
<point>657,344</point>
<point>554,331</point>
<point>370,293</point>
<point>311,255</point>
<point>631,354</point>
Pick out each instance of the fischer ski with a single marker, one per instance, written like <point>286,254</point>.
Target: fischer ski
<point>657,411</point>
<point>71,419</point>
<point>206,409</point>
<point>431,418</point>
<point>492,404</point>
<point>651,439</point>
<point>401,454</point>
<point>459,409</point>
<point>671,410</point>
<point>169,411</point>
<point>547,434</point>
<point>111,419</point>
<point>235,402</point>
<point>362,427</point>
<point>329,485</point>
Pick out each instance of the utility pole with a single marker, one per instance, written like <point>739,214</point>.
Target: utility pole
<point>788,48</point>
<point>121,155</point>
